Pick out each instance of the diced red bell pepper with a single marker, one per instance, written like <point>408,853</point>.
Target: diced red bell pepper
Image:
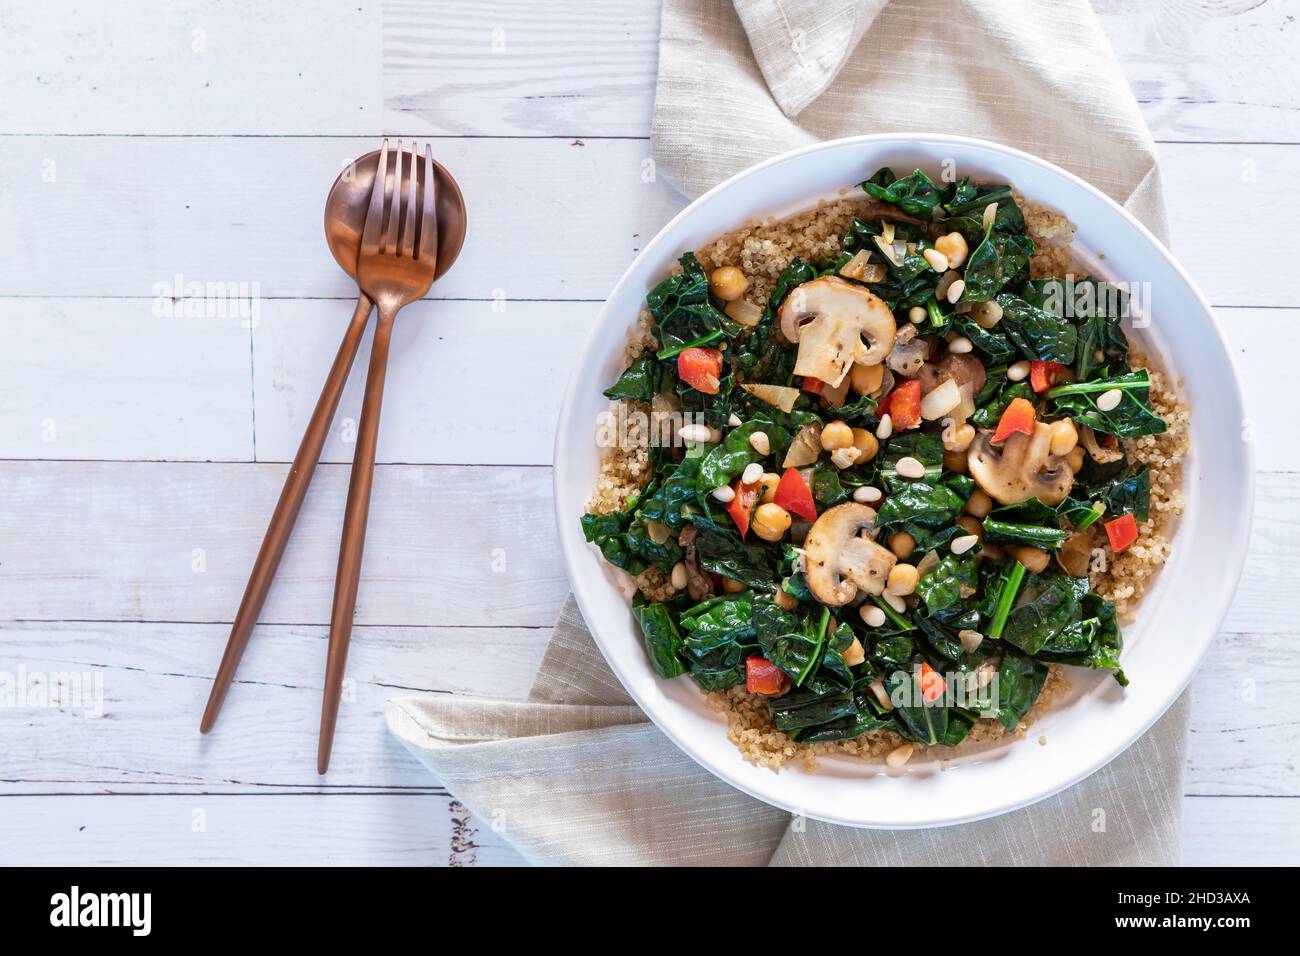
<point>764,677</point>
<point>932,685</point>
<point>701,369</point>
<point>1018,417</point>
<point>794,495</point>
<point>814,385</point>
<point>1122,532</point>
<point>1043,375</point>
<point>741,507</point>
<point>904,405</point>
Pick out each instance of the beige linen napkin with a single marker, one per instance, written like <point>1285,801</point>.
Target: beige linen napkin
<point>577,774</point>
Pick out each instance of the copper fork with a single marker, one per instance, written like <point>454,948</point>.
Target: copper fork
<point>392,271</point>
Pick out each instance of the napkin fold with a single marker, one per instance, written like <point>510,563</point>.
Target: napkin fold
<point>576,774</point>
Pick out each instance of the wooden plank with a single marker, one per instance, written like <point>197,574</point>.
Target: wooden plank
<point>1240,831</point>
<point>468,382</point>
<point>84,378</point>
<point>268,829</point>
<point>122,541</point>
<point>510,68</point>
<point>547,218</point>
<point>1209,71</point>
<point>565,230</point>
<point>505,67</point>
<point>191,67</point>
<point>129,719</point>
<point>128,716</point>
<point>115,541</point>
<point>109,379</point>
<point>1245,717</point>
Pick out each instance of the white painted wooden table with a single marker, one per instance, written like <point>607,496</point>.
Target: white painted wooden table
<point>141,454</point>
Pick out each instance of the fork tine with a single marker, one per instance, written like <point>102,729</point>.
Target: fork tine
<point>407,249</point>
<point>395,203</point>
<point>375,214</point>
<point>429,213</point>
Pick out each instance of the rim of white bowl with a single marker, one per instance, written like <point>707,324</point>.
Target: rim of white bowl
<point>572,542</point>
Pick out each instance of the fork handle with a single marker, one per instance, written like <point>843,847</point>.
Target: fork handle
<point>286,511</point>
<point>355,517</point>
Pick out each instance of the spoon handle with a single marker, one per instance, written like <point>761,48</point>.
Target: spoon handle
<point>286,511</point>
<point>355,516</point>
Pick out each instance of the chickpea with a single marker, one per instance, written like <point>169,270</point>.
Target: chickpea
<point>1034,559</point>
<point>902,544</point>
<point>785,599</point>
<point>1065,437</point>
<point>955,461</point>
<point>770,522</point>
<point>837,435</point>
<point>854,654</point>
<point>732,586</point>
<point>728,283</point>
<point>902,579</point>
<point>954,248</point>
<point>979,504</point>
<point>767,485</point>
<point>958,437</point>
<point>1075,458</point>
<point>971,526</point>
<point>865,379</point>
<point>866,443</point>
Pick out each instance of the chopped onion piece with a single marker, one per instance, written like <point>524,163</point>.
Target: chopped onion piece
<point>778,396</point>
<point>941,399</point>
<point>746,313</point>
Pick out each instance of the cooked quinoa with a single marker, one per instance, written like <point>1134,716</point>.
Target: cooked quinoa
<point>763,250</point>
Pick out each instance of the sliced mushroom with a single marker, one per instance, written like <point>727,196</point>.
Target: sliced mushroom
<point>841,558</point>
<point>1023,468</point>
<point>879,209</point>
<point>698,584</point>
<point>909,353</point>
<point>836,323</point>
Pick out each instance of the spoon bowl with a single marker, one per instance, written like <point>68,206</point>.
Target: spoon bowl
<point>349,198</point>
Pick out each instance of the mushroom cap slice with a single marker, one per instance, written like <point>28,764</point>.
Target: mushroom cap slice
<point>841,558</point>
<point>1023,468</point>
<point>836,323</point>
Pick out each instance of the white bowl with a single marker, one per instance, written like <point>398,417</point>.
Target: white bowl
<point>1176,622</point>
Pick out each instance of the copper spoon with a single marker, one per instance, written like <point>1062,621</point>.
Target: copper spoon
<point>345,216</point>
<point>399,259</point>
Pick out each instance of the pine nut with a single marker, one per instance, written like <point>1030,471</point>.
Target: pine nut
<point>964,543</point>
<point>955,290</point>
<point>878,688</point>
<point>760,443</point>
<point>659,532</point>
<point>885,428</point>
<point>694,433</point>
<point>871,615</point>
<point>1018,371</point>
<point>752,473</point>
<point>960,345</point>
<point>938,261</point>
<point>899,756</point>
<point>970,640</point>
<point>909,467</point>
<point>916,314</point>
<point>990,215</point>
<point>734,420</point>
<point>679,576</point>
<point>867,494</point>
<point>724,493</point>
<point>1108,401</point>
<point>897,603</point>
